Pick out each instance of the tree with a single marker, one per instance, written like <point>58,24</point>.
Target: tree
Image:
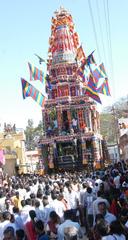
<point>29,132</point>
<point>108,127</point>
<point>33,134</point>
<point>109,119</point>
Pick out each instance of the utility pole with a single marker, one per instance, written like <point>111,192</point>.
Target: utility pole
<point>116,129</point>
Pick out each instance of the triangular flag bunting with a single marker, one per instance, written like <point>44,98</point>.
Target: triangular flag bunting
<point>102,69</point>
<point>99,72</point>
<point>91,90</point>
<point>80,55</point>
<point>30,91</point>
<point>90,59</point>
<point>35,73</point>
<point>80,72</point>
<point>104,88</point>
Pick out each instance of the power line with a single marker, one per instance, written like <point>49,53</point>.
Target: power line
<point>110,45</point>
<point>94,29</point>
<point>99,20</point>
<point>106,23</point>
<point>108,33</point>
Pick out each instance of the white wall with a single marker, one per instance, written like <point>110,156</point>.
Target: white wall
<point>114,153</point>
<point>125,152</point>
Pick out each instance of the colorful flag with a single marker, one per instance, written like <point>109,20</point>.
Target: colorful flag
<point>35,73</point>
<point>80,72</point>
<point>102,69</point>
<point>30,91</point>
<point>104,88</point>
<point>90,59</point>
<point>84,73</point>
<point>99,72</point>
<point>2,157</point>
<point>80,54</point>
<point>91,90</point>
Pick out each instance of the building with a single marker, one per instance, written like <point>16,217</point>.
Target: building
<point>124,146</point>
<point>72,137</point>
<point>123,138</point>
<point>34,161</point>
<point>13,145</point>
<point>113,151</point>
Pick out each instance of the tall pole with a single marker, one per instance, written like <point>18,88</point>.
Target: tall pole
<point>116,128</point>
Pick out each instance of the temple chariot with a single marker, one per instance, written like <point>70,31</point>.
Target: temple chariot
<point>71,122</point>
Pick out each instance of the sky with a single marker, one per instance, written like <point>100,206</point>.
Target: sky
<point>25,27</point>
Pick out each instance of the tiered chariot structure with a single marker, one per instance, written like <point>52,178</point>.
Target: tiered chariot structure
<point>72,139</point>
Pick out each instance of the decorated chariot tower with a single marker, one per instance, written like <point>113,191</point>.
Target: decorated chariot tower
<point>71,121</point>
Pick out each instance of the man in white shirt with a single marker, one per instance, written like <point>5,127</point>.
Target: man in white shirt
<point>117,180</point>
<point>18,220</point>
<point>26,207</point>
<point>97,201</point>
<point>22,192</point>
<point>46,210</point>
<point>98,181</point>
<point>89,197</point>
<point>74,124</point>
<point>58,206</point>
<point>71,197</point>
<point>2,202</point>
<point>66,224</point>
<point>6,223</point>
<point>82,193</point>
<point>108,217</point>
<point>39,210</point>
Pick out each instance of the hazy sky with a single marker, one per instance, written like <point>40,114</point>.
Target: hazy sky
<point>25,28</point>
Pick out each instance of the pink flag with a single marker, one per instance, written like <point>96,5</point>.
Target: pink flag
<point>2,157</point>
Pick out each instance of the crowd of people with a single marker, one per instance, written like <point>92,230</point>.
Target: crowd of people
<point>65,206</point>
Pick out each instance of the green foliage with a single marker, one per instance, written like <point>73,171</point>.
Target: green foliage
<point>33,134</point>
<point>109,119</point>
<point>108,129</point>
